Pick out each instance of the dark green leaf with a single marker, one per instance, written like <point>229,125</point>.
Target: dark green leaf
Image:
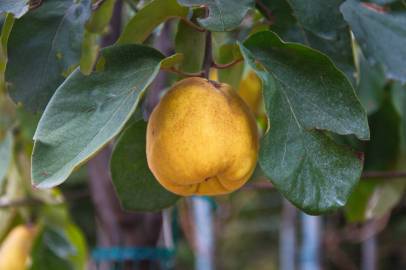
<point>382,151</point>
<point>381,36</point>
<point>6,153</point>
<point>321,17</point>
<point>44,47</point>
<point>370,87</point>
<point>16,7</point>
<point>326,30</point>
<point>304,94</point>
<point>148,18</point>
<point>284,23</point>
<point>136,187</point>
<point>224,15</point>
<point>86,112</point>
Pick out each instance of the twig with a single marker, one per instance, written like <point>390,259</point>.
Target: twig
<point>259,185</point>
<point>224,66</point>
<point>97,4</point>
<point>383,174</point>
<point>20,202</point>
<point>33,4</point>
<point>265,11</point>
<point>184,74</point>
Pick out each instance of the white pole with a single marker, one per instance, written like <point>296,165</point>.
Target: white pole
<point>310,251</point>
<point>204,233</point>
<point>369,259</point>
<point>287,237</point>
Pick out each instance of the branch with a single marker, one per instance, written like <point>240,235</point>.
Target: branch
<point>182,73</point>
<point>97,4</point>
<point>33,4</point>
<point>224,66</point>
<point>366,176</point>
<point>265,11</point>
<point>383,174</point>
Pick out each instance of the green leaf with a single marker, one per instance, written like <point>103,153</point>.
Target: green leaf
<point>136,187</point>
<point>304,93</point>
<point>224,15</point>
<point>326,30</point>
<point>16,7</point>
<point>95,27</point>
<point>381,37</point>
<point>371,84</point>
<point>382,153</point>
<point>172,61</point>
<point>44,47</point>
<point>284,24</point>
<point>191,44</point>
<point>148,18</point>
<point>385,197</point>
<point>5,33</point>
<point>357,203</point>
<point>59,248</point>
<point>6,153</point>
<point>321,17</point>
<point>86,112</point>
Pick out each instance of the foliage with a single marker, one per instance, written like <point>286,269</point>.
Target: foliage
<point>329,95</point>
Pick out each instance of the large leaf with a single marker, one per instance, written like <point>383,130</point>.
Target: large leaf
<point>304,94</point>
<point>224,15</point>
<point>382,37</point>
<point>148,18</point>
<point>6,153</point>
<point>86,112</point>
<point>136,187</point>
<point>16,7</point>
<point>44,47</point>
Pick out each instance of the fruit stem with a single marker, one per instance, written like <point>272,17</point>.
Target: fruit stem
<point>208,58</point>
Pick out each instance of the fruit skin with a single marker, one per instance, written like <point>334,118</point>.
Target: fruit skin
<point>16,248</point>
<point>202,139</point>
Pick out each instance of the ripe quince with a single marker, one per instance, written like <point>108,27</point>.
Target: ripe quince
<point>202,139</point>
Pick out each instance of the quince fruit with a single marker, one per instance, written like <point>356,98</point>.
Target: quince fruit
<point>16,248</point>
<point>202,139</point>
